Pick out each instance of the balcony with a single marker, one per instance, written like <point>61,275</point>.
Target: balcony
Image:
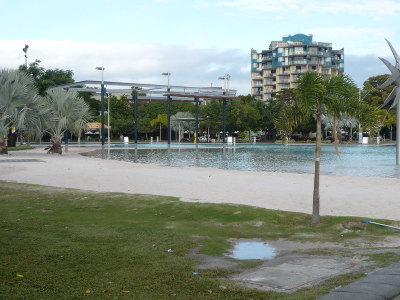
<point>267,66</point>
<point>297,53</point>
<point>319,53</point>
<point>326,45</point>
<point>299,62</point>
<point>299,71</point>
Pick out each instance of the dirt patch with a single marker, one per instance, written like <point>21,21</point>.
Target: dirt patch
<point>292,268</point>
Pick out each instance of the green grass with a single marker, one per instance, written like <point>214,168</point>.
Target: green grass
<point>20,148</point>
<point>72,244</point>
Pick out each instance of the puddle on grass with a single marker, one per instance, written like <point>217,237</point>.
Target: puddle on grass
<point>252,250</point>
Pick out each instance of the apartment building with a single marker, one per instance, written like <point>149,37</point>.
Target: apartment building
<point>280,66</point>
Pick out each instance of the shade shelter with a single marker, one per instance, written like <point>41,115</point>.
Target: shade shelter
<point>153,92</point>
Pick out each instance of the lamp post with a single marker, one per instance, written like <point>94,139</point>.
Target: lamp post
<point>168,110</point>
<point>25,49</point>
<point>224,103</point>
<point>108,120</point>
<point>167,74</point>
<point>102,104</point>
<point>226,79</point>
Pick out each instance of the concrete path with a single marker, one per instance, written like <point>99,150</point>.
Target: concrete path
<point>292,272</point>
<point>383,284</point>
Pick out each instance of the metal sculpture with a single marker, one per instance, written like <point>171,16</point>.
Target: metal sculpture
<point>395,94</point>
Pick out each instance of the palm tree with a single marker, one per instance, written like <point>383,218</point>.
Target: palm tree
<point>161,120</point>
<point>341,102</point>
<point>63,110</point>
<point>18,97</point>
<point>318,96</point>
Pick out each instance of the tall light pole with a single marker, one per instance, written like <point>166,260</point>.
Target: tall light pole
<point>224,103</point>
<point>102,104</point>
<point>108,120</point>
<point>168,110</point>
<point>167,74</point>
<point>226,79</point>
<point>25,49</point>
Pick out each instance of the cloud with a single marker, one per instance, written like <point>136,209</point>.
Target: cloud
<point>140,63</point>
<point>360,68</point>
<point>144,63</point>
<point>352,38</point>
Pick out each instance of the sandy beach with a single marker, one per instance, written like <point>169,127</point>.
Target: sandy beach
<point>363,197</point>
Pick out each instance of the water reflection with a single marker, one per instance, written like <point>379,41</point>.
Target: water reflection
<point>361,161</point>
<point>252,250</point>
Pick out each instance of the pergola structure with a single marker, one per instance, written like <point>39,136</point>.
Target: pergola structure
<point>155,92</point>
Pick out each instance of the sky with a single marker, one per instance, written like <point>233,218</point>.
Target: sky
<point>196,41</point>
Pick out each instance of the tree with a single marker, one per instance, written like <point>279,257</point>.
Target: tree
<point>372,93</point>
<point>241,116</point>
<point>18,99</point>
<point>47,78</point>
<point>317,96</point>
<point>213,109</point>
<point>161,120</point>
<point>63,110</point>
<point>375,95</point>
<point>121,115</point>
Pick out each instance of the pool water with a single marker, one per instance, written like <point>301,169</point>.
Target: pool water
<point>354,160</point>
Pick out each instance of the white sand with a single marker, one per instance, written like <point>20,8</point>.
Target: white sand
<point>340,195</point>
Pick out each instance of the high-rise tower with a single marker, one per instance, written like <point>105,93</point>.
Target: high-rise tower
<point>280,66</point>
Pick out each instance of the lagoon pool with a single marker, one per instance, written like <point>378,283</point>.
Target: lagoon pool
<point>354,160</point>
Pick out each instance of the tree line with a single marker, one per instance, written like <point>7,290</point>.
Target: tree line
<point>243,115</point>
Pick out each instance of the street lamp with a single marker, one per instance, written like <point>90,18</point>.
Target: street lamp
<point>25,49</point>
<point>168,74</point>
<point>224,103</point>
<point>226,79</point>
<point>108,119</point>
<point>102,104</point>
<point>168,110</point>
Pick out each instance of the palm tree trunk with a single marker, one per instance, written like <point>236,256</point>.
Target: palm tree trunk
<point>55,148</point>
<point>315,218</point>
<point>335,134</point>
<point>3,147</point>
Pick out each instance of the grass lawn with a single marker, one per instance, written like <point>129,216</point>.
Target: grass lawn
<point>71,244</point>
<point>20,148</point>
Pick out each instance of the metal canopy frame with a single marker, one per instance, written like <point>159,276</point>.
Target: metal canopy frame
<point>151,88</point>
<point>163,92</point>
